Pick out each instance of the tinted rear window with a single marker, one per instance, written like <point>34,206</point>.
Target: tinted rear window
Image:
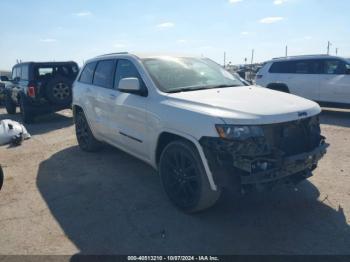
<point>297,67</point>
<point>88,73</point>
<point>44,72</point>
<point>104,74</point>
<point>282,67</point>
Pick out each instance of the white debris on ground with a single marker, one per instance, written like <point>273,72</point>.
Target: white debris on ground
<point>12,132</point>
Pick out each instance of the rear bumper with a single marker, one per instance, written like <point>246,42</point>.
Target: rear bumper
<point>39,107</point>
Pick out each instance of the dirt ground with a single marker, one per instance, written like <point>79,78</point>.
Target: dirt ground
<point>57,199</point>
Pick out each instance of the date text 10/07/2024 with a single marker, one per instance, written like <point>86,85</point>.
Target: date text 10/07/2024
<point>173,258</point>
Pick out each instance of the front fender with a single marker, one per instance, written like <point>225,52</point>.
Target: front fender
<point>199,149</point>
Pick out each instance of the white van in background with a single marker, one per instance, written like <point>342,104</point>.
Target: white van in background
<point>322,78</point>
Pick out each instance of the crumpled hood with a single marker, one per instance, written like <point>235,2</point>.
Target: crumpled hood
<point>246,105</point>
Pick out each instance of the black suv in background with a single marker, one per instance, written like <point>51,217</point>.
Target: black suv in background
<point>40,88</point>
<point>4,80</point>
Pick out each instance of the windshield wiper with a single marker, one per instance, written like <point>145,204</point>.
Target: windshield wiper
<point>188,89</point>
<point>224,86</point>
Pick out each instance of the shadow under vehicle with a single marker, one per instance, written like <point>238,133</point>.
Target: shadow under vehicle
<point>112,203</point>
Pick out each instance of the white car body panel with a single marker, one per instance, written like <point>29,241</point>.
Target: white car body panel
<point>191,115</point>
<point>332,88</point>
<point>335,88</point>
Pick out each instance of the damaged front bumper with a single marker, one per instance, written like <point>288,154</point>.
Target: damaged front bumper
<point>265,162</point>
<point>289,166</point>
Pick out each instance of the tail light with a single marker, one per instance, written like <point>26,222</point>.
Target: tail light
<point>31,91</point>
<point>259,76</point>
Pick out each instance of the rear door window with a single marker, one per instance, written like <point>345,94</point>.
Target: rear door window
<point>88,73</point>
<point>104,74</point>
<point>308,67</point>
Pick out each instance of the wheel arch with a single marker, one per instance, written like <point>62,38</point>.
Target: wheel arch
<point>169,136</point>
<point>77,108</point>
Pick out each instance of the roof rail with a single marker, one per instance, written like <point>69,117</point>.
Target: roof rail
<point>119,53</point>
<point>297,56</point>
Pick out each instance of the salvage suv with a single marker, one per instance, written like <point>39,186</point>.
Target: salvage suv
<point>40,88</point>
<point>202,128</point>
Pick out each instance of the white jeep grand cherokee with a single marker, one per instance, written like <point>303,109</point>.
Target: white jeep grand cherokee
<point>198,125</point>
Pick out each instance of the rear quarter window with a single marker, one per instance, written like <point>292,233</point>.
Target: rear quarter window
<point>87,74</point>
<point>287,67</point>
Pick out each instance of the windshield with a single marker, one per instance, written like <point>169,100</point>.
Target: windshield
<point>188,74</point>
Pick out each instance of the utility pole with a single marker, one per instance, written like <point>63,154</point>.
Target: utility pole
<point>336,51</point>
<point>328,47</point>
<point>251,66</point>
<point>251,62</point>
<point>224,59</point>
<point>286,51</point>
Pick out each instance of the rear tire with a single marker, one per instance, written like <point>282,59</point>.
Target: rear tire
<point>10,105</point>
<point>184,178</point>
<point>27,115</point>
<point>59,91</point>
<point>86,140</point>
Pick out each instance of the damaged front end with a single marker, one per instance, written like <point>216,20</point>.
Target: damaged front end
<point>260,157</point>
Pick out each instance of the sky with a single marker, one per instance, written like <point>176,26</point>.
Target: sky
<point>42,30</point>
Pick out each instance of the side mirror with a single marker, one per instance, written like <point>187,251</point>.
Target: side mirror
<point>130,85</point>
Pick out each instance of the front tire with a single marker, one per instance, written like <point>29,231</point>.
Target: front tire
<point>86,140</point>
<point>10,105</point>
<point>184,178</point>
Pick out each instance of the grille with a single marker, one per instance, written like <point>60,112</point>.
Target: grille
<point>295,137</point>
